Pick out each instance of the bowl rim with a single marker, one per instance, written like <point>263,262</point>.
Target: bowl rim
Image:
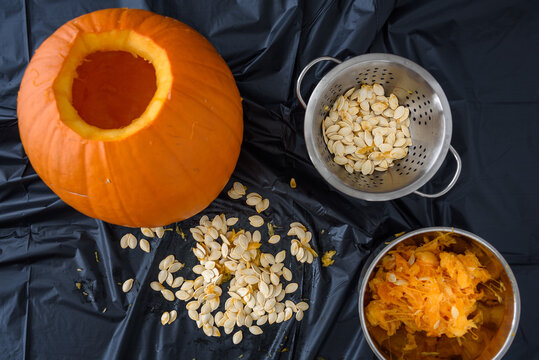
<point>373,261</point>
<point>315,156</point>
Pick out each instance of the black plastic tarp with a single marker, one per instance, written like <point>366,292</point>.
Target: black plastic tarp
<point>485,55</point>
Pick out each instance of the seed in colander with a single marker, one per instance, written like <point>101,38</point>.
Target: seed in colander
<point>393,101</point>
<point>378,89</point>
<point>367,167</point>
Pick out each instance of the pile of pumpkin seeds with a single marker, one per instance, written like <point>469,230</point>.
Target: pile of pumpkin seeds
<point>367,131</point>
<point>257,288</point>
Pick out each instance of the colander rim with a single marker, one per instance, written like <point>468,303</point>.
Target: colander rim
<point>315,155</point>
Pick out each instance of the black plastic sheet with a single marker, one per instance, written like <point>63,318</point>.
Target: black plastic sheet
<point>484,53</point>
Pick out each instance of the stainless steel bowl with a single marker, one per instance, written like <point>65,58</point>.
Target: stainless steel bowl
<point>430,125</point>
<point>489,257</point>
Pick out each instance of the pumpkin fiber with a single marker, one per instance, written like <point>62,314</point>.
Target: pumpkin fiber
<point>131,117</point>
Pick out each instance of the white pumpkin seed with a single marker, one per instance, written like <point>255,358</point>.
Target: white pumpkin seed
<point>159,231</point>
<point>299,315</point>
<point>170,279</point>
<point>132,242</point>
<point>165,317</point>
<point>367,167</point>
<point>125,241</point>
<point>237,337</point>
<point>255,330</point>
<point>144,245</point>
<point>167,294</point>
<point>393,101</point>
<point>147,232</point>
<point>378,89</point>
<point>256,221</point>
<point>127,285</point>
<point>274,239</point>
<point>290,288</point>
<point>253,201</point>
<point>177,282</point>
<point>156,286</point>
<point>173,316</point>
<point>162,276</point>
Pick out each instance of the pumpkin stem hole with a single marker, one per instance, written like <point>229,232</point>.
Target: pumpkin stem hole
<point>113,88</point>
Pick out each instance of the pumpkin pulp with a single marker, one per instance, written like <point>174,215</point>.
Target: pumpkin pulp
<point>112,88</point>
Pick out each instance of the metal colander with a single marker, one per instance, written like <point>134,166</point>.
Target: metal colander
<point>430,125</point>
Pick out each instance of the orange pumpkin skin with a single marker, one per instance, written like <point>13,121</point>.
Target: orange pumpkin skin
<point>169,169</point>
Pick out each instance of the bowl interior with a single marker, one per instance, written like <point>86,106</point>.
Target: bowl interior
<point>493,336</point>
<point>430,125</point>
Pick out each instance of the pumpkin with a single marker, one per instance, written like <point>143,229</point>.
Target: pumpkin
<point>131,117</point>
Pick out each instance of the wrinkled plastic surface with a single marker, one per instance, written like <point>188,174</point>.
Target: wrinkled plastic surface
<point>483,53</point>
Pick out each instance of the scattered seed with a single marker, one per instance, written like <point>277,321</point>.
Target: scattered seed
<point>274,239</point>
<point>144,245</point>
<point>290,288</point>
<point>255,330</point>
<point>293,183</point>
<point>156,286</point>
<point>167,294</point>
<point>147,232</point>
<point>159,231</point>
<point>125,240</point>
<point>165,318</point>
<point>127,285</point>
<point>256,221</point>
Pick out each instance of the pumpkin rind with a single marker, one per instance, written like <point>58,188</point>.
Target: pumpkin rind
<point>168,170</point>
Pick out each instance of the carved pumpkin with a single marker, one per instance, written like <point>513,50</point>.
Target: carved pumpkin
<point>131,117</point>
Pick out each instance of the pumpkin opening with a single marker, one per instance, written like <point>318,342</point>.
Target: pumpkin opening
<point>112,84</point>
<point>113,88</point>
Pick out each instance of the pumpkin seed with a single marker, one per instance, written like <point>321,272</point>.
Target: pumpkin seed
<point>162,276</point>
<point>125,241</point>
<point>127,285</point>
<point>177,282</point>
<point>147,232</point>
<point>144,245</point>
<point>256,221</point>
<point>165,318</point>
<point>274,239</point>
<point>167,294</point>
<point>367,167</point>
<point>156,286</point>
<point>378,89</point>
<point>173,316</point>
<point>299,315</point>
<point>234,195</point>
<point>237,337</point>
<point>290,288</point>
<point>255,330</point>
<point>132,242</point>
<point>239,188</point>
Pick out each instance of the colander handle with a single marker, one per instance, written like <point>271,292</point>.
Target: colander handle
<point>452,182</point>
<point>304,71</point>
